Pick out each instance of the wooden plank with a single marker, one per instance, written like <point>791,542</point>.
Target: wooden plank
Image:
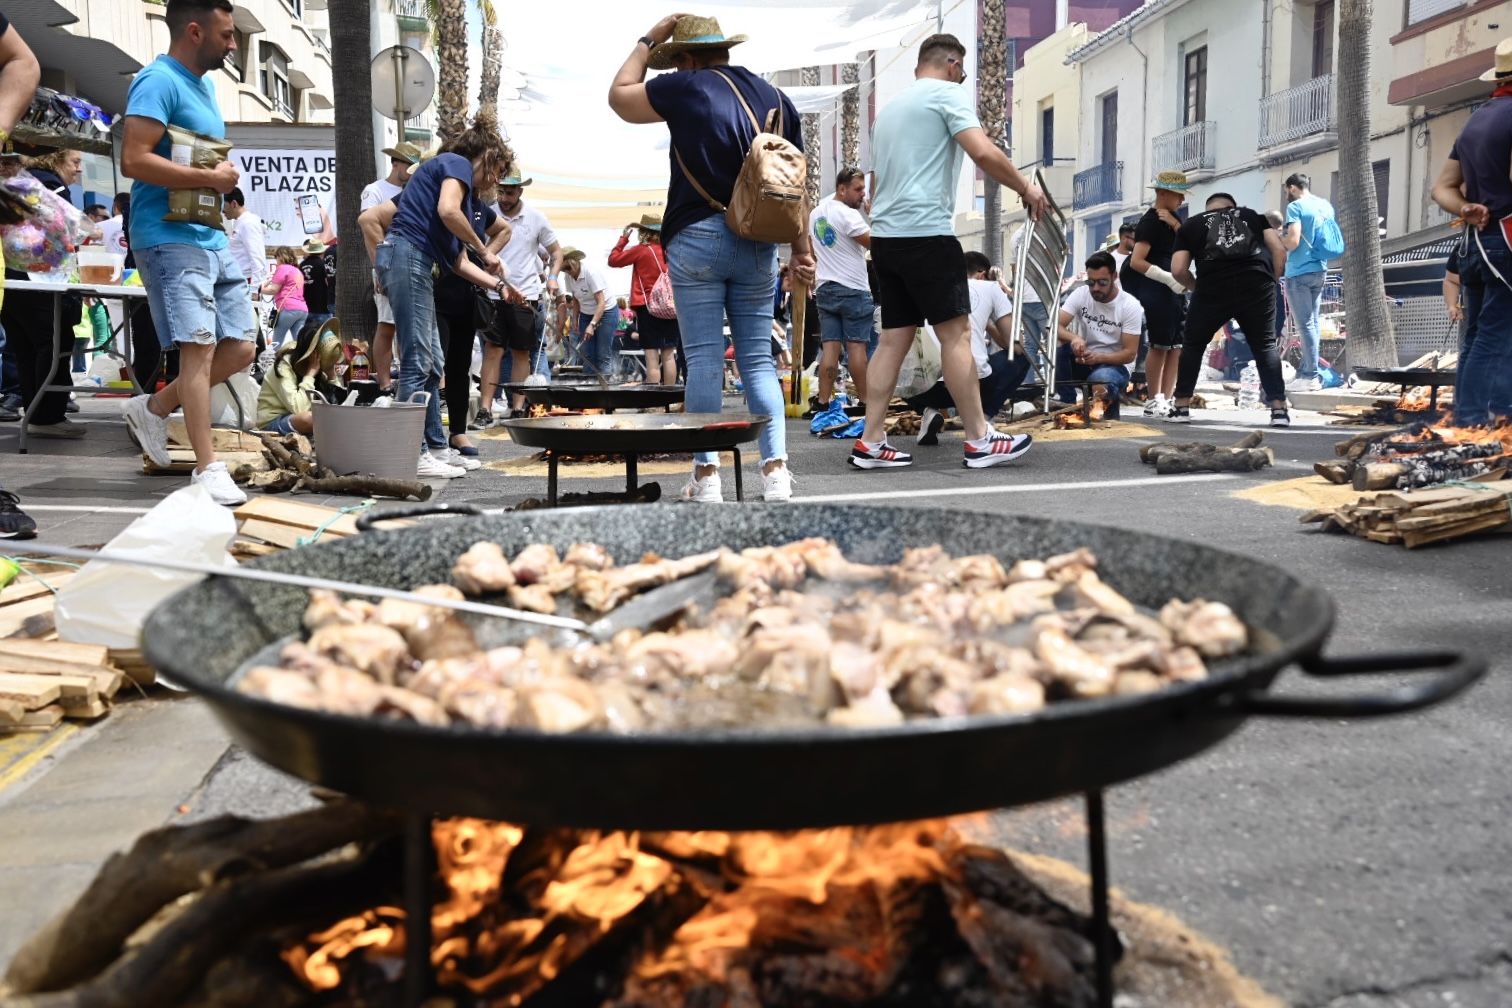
<point>11,712</point>
<point>81,654</point>
<point>68,685</point>
<point>182,461</point>
<point>17,613</point>
<point>26,587</point>
<point>286,536</point>
<point>42,719</point>
<point>282,511</point>
<point>223,438</point>
<point>84,709</point>
<point>30,692</point>
<point>105,681</point>
<point>133,666</point>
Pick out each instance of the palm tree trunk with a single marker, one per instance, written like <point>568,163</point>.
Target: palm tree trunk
<point>351,51</point>
<point>451,76</point>
<point>809,77</point>
<point>493,62</point>
<point>850,116</point>
<point>992,94</point>
<point>1371,341</point>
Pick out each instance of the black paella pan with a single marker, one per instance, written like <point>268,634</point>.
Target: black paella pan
<point>760,779</point>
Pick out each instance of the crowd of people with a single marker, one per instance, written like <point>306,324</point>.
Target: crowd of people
<point>461,258</point>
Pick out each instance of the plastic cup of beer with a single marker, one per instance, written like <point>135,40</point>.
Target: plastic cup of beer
<point>97,266</point>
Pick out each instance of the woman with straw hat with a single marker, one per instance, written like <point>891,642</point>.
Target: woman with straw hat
<point>658,336</point>
<point>715,272</point>
<point>1146,274</point>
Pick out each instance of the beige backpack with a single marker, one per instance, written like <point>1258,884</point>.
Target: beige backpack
<point>767,203</point>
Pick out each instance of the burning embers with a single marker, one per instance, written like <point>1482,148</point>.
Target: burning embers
<point>1421,455</point>
<point>890,915</point>
<point>1090,412</point>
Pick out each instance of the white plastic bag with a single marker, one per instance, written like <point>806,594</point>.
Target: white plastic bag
<point>107,603</point>
<point>223,411</point>
<point>921,364</point>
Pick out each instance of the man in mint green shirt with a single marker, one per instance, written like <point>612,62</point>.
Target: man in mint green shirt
<point>919,140</point>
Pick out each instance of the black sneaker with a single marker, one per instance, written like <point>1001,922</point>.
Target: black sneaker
<point>930,423</point>
<point>482,421</point>
<point>15,523</point>
<point>1179,414</point>
<point>878,456</point>
<point>1280,417</point>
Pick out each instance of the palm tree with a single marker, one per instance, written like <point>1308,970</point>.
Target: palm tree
<point>850,116</point>
<point>809,77</point>
<point>450,19</point>
<point>992,94</point>
<point>1371,340</point>
<point>351,52</point>
<point>493,62</point>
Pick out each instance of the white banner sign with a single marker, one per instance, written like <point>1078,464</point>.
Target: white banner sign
<point>293,191</point>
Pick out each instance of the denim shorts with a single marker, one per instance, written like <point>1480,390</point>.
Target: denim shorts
<point>845,314</point>
<point>280,425</point>
<point>196,295</point>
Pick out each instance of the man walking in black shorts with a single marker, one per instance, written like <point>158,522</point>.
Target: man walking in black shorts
<point>1146,274</point>
<point>921,269</point>
<point>1239,255</point>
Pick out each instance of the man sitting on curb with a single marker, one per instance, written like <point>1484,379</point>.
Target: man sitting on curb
<point>1100,324</point>
<point>991,316</point>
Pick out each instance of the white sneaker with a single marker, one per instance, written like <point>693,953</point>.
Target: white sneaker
<point>149,430</point>
<point>930,422</point>
<point>703,491</point>
<point>1157,407</point>
<point>216,478</point>
<point>466,462</point>
<point>777,485</point>
<point>435,467</point>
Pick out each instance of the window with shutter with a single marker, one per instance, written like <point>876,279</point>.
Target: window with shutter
<point>1422,10</point>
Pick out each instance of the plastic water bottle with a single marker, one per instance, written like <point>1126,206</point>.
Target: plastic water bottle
<point>1249,387</point>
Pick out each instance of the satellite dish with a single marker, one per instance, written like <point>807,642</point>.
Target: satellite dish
<point>403,83</point>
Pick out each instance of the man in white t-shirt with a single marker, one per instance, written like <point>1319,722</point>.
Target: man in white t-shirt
<point>1122,245</point>
<point>518,325</point>
<point>597,316</point>
<point>991,320</point>
<point>841,236</point>
<point>1100,326</point>
<point>248,239</point>
<point>402,157</point>
<point>113,228</point>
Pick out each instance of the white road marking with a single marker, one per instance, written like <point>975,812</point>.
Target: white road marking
<point>1010,488</point>
<point>88,510</point>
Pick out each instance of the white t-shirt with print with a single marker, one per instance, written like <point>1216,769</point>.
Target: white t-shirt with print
<point>588,283</point>
<point>529,233</point>
<point>379,192</point>
<point>988,304</point>
<point>1103,326</point>
<point>834,228</point>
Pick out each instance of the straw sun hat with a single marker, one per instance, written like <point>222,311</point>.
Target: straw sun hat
<point>691,34</point>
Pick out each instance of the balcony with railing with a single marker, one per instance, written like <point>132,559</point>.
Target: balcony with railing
<point>413,15</point>
<point>1298,121</point>
<point>1192,149</point>
<point>1098,185</point>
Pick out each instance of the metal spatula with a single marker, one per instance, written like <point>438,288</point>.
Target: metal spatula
<point>643,610</point>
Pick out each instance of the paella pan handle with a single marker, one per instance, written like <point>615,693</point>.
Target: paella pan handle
<point>1454,671</point>
<point>369,519</point>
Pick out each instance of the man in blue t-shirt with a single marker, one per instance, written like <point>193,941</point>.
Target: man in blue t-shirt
<point>1306,270</point>
<point>1474,184</point>
<point>195,288</point>
<point>918,144</point>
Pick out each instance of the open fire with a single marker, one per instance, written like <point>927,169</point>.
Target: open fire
<point>906,914</point>
<point>1423,454</point>
<point>1089,413</point>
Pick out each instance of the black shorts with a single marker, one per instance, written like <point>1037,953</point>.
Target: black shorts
<point>514,327</point>
<point>920,280</point>
<point>655,333</point>
<point>1165,318</point>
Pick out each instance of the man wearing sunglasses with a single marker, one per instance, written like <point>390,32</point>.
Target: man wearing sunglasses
<point>1100,325</point>
<point>918,143</point>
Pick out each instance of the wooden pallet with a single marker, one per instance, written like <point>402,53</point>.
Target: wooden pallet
<point>1418,517</point>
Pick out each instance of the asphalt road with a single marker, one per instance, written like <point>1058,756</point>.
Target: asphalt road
<point>1344,864</point>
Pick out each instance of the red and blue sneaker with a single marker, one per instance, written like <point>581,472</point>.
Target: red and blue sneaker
<point>995,449</point>
<point>878,456</point>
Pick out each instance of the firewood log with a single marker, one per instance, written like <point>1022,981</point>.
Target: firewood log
<point>1377,475</point>
<point>365,486</point>
<point>168,863</point>
<point>1335,472</point>
<point>1227,460</point>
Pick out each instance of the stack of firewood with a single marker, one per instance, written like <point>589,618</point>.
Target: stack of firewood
<point>1418,517</point>
<point>1245,455</point>
<point>1397,460</point>
<point>289,463</point>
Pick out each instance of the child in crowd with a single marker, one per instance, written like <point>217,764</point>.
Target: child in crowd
<point>306,365</point>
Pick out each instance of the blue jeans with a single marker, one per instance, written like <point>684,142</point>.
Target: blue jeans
<point>598,354</point>
<point>716,274</point>
<point>288,324</point>
<point>1483,384</point>
<point>845,314</point>
<point>1304,295</point>
<point>1036,319</point>
<point>405,272</point>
